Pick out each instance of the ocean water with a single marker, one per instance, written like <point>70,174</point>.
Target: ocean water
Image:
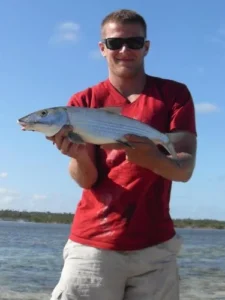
<point>31,261</point>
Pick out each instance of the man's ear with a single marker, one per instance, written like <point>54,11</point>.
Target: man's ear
<point>147,47</point>
<point>101,46</point>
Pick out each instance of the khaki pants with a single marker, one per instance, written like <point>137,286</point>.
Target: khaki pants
<point>95,274</point>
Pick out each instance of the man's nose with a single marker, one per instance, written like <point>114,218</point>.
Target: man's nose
<point>123,48</point>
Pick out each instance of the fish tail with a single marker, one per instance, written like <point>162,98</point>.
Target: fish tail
<point>169,146</point>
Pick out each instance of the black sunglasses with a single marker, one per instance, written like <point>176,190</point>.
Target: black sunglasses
<point>131,42</point>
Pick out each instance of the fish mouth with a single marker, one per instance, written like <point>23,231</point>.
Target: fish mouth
<point>25,125</point>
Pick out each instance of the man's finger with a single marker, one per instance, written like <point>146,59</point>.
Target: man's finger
<point>75,149</point>
<point>59,140</point>
<point>50,138</point>
<point>65,146</point>
<point>140,142</point>
<point>136,138</point>
<point>113,146</point>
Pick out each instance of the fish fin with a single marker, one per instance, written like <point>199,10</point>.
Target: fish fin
<point>75,138</point>
<point>170,148</point>
<point>112,109</point>
<point>125,143</point>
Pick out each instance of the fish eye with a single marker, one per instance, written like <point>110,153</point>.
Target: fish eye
<point>43,113</point>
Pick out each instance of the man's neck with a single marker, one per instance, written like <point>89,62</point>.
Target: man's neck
<point>128,86</point>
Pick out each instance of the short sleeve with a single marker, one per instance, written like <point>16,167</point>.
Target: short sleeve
<point>77,100</point>
<point>183,112</point>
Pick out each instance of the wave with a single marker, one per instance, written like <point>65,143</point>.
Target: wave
<point>6,294</point>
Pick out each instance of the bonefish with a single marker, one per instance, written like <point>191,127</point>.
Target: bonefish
<point>97,126</point>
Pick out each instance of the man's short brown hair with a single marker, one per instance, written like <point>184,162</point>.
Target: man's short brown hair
<point>125,16</point>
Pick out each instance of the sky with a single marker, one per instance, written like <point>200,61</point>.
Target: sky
<point>49,51</point>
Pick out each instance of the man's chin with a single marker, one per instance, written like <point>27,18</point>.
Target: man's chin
<point>126,72</point>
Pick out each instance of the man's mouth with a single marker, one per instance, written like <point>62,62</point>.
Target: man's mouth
<point>125,59</point>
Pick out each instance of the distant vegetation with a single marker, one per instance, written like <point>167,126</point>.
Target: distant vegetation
<point>39,217</point>
<point>66,218</point>
<point>203,223</point>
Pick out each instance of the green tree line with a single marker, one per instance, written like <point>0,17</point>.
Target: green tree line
<point>66,218</point>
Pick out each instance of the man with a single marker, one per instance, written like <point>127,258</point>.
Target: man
<point>122,243</point>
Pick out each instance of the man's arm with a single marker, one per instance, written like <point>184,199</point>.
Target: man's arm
<point>147,155</point>
<point>82,167</point>
<point>182,119</point>
<point>82,164</point>
<point>180,169</point>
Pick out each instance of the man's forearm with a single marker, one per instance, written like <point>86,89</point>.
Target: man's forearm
<point>83,171</point>
<point>175,170</point>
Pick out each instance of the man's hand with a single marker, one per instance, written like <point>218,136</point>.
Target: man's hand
<point>140,151</point>
<point>65,146</point>
<point>147,155</point>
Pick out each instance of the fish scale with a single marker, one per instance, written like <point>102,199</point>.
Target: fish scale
<point>94,122</point>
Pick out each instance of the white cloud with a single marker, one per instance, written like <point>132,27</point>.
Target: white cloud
<point>219,37</point>
<point>206,107</point>
<point>95,54</point>
<point>7,197</point>
<point>3,175</point>
<point>218,40</point>
<point>16,200</point>
<point>2,191</point>
<point>39,197</point>
<point>66,32</point>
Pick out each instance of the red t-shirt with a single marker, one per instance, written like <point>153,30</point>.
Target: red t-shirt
<point>128,207</point>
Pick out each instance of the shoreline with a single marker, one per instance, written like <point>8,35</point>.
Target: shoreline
<point>219,227</point>
<point>67,218</point>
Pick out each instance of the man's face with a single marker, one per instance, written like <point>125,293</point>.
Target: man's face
<point>124,62</point>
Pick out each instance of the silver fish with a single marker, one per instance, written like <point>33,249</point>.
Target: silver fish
<point>94,126</point>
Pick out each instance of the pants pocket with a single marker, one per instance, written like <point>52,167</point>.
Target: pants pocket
<point>57,293</point>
